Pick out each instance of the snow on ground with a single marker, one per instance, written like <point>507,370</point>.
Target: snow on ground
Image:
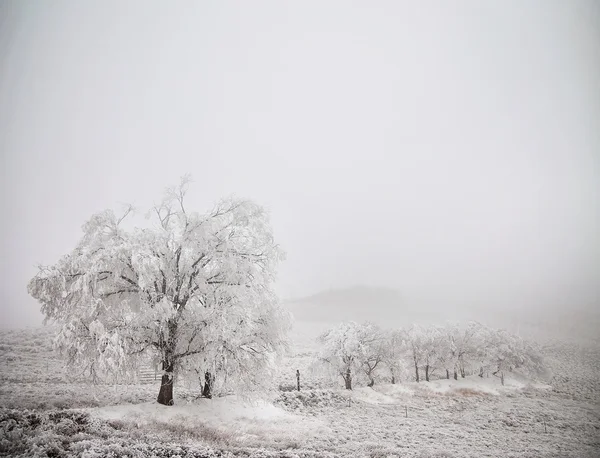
<point>241,419</point>
<point>472,417</point>
<point>391,394</point>
<point>373,395</point>
<point>482,385</point>
<point>472,385</point>
<point>227,408</point>
<point>231,420</point>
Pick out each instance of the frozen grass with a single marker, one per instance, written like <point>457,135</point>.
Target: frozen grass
<point>72,433</point>
<point>470,417</point>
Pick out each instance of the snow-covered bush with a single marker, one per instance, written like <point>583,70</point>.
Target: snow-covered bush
<point>28,434</point>
<point>298,400</point>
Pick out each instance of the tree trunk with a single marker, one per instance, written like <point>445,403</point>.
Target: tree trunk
<point>502,377</point>
<point>417,371</point>
<point>455,375</point>
<point>165,394</point>
<point>481,372</point>
<point>371,382</point>
<point>298,378</point>
<point>208,382</point>
<point>348,379</point>
<point>393,380</point>
<point>447,374</point>
<point>426,372</point>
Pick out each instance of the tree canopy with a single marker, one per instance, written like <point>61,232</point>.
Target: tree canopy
<point>352,348</point>
<point>193,291</point>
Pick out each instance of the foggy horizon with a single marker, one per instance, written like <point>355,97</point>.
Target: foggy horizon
<point>449,152</point>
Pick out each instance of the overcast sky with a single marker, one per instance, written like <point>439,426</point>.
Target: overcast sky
<point>448,149</point>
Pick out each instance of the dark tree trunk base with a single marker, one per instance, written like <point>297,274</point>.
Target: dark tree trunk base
<point>165,395</point>
<point>348,380</point>
<point>208,382</point>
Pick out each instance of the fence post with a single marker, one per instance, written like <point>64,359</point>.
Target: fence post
<point>406,411</point>
<point>298,379</point>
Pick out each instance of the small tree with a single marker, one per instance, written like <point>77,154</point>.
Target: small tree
<point>416,343</point>
<point>351,348</point>
<point>507,352</point>
<point>433,350</point>
<point>373,350</point>
<point>340,350</point>
<point>466,343</point>
<point>445,352</point>
<point>192,291</point>
<point>394,354</point>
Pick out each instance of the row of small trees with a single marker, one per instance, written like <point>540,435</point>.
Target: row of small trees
<point>366,351</point>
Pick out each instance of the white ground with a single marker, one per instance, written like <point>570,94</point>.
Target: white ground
<point>471,417</point>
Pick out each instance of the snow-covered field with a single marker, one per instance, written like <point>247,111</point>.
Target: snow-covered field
<point>50,411</point>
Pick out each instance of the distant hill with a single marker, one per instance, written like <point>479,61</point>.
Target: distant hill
<point>384,306</point>
<point>389,308</point>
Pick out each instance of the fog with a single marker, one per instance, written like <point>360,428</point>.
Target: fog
<point>447,150</point>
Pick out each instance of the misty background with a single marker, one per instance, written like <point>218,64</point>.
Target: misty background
<point>425,159</point>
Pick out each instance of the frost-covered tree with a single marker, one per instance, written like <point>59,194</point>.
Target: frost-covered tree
<point>505,352</point>
<point>394,354</point>
<point>433,350</point>
<point>373,348</point>
<point>193,291</point>
<point>449,348</point>
<point>443,355</point>
<point>465,342</point>
<point>340,348</point>
<point>415,336</point>
<point>351,348</point>
<point>428,348</point>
